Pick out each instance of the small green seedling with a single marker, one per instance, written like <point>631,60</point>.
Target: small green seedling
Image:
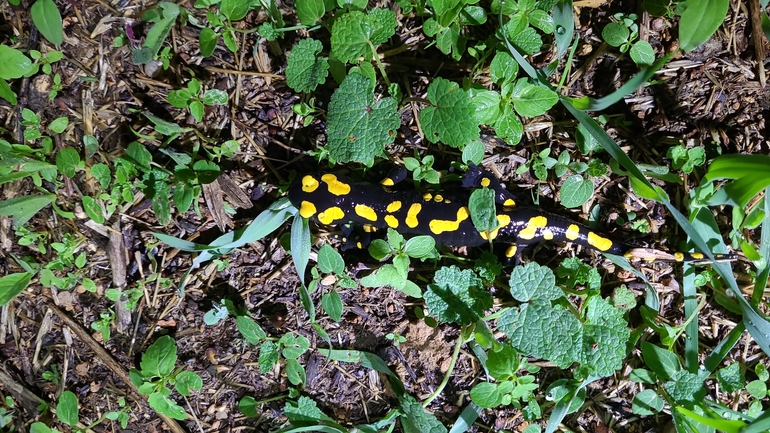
<point>192,99</point>
<point>157,374</point>
<point>623,33</point>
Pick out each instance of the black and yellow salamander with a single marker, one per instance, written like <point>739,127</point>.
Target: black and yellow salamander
<point>333,199</point>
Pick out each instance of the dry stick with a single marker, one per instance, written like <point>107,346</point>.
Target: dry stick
<point>757,39</point>
<point>110,362</point>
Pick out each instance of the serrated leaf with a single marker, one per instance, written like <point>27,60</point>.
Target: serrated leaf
<point>486,105</point>
<point>647,403</point>
<point>532,281</point>
<point>358,127</point>
<point>450,118</point>
<point>508,126</point>
<point>179,98</point>
<point>305,69</point>
<point>457,296</point>
<point>503,68</point>
<point>354,31</point>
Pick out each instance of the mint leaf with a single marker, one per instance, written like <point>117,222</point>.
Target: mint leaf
<point>687,387</point>
<point>540,330</point>
<point>67,161</point>
<point>663,362</point>
<point>604,337</point>
<point>358,127</point>
<point>731,378</point>
<point>354,31</point>
<point>457,296</point>
<point>533,282</point>
<point>486,104</point>
<point>305,69</point>
<point>303,411</point>
<point>450,118</point>
<point>416,419</point>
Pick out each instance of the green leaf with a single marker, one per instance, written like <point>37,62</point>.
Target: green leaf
<point>67,161</point>
<point>163,17</point>
<point>248,406</point>
<point>332,304</point>
<point>543,331</point>
<point>700,19</point>
<point>575,191</point>
<point>234,10</point>
<point>7,93</point>
<point>67,408</point>
<point>503,68</point>
<point>197,110</point>
<point>184,195</point>
<point>532,281</point>
<point>208,41</point>
<point>417,420</point>
<point>187,381</point>
<point>179,98</point>
<point>731,378</point>
<point>59,125</point>
<point>303,412</point>
<point>486,105</point>
<point>642,53</point>
<point>251,331</point>
<point>483,210</point>
<point>664,363</point>
<point>93,209</point>
<point>503,363</point>
<point>647,403</point>
<point>300,245</point>
<point>206,171</point>
<point>295,372</point>
<point>615,34</point>
<point>25,207</point>
<point>306,69</point>
<point>330,261</point>
<point>15,64</point>
<point>457,296</point>
<point>160,358</point>
<point>139,155</point>
<point>486,395</point>
<point>354,31</point>
<point>450,118</point>
<point>214,97</point>
<point>268,356</point>
<point>164,405</point>
<point>309,11</point>
<point>604,337</point>
<point>420,247</point>
<point>48,20</point>
<point>687,387</point>
<point>535,101</point>
<point>358,127</point>
<point>508,126</point>
<point>13,284</point>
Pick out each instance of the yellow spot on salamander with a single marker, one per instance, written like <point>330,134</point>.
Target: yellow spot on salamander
<point>572,233</point>
<point>387,182</point>
<point>394,206</point>
<point>306,209</point>
<point>696,256</point>
<point>440,226</point>
<point>411,215</point>
<point>335,186</point>
<point>369,228</point>
<point>427,196</point>
<point>534,223</point>
<point>438,198</point>
<point>366,212</point>
<point>330,215</point>
<point>485,182</point>
<point>358,245</point>
<point>598,242</point>
<point>502,221</point>
<point>547,234</point>
<point>679,256</point>
<point>391,221</point>
<point>509,203</point>
<point>309,183</point>
<point>511,251</point>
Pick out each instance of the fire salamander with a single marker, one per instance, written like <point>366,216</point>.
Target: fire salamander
<point>335,199</point>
